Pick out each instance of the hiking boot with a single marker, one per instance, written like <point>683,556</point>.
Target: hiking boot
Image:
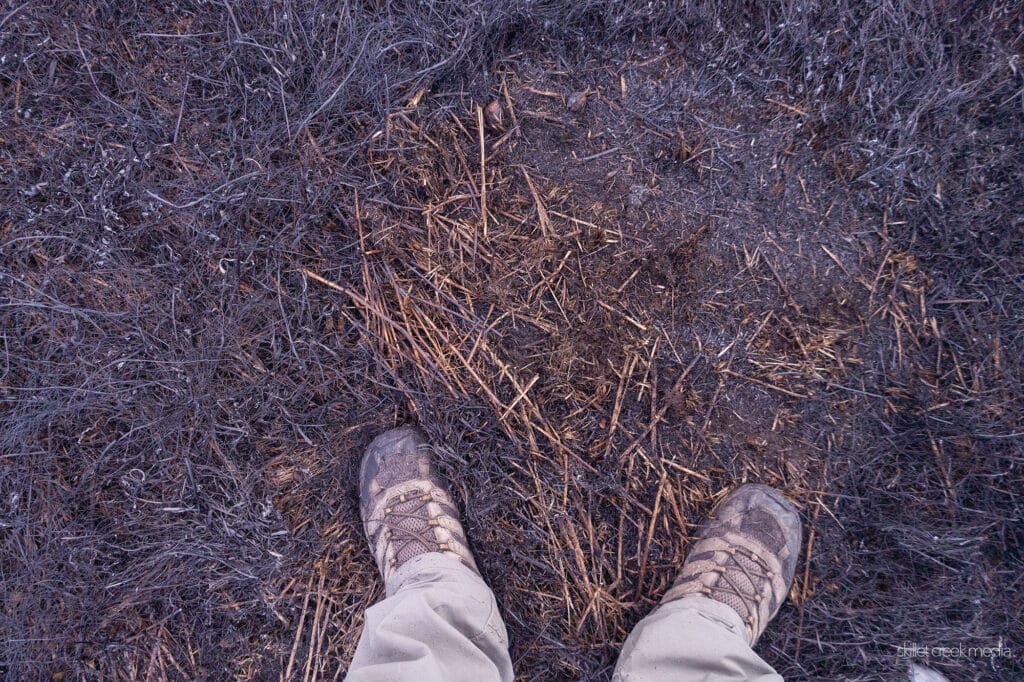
<point>404,503</point>
<point>745,556</point>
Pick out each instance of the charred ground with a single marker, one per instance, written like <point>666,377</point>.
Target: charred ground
<point>684,249</point>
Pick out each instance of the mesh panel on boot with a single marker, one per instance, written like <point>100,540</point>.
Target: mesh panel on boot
<point>411,534</point>
<point>735,580</point>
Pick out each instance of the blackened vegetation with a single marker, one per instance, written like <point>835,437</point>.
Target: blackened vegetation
<point>733,241</point>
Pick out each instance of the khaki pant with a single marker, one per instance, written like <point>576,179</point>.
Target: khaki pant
<point>440,623</point>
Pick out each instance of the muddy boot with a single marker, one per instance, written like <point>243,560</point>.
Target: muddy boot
<point>405,505</point>
<point>745,556</point>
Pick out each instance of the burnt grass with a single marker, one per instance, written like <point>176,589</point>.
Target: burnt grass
<point>616,258</point>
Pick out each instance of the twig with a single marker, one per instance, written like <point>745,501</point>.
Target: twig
<point>483,170</point>
<point>598,155</point>
<point>298,634</point>
<point>807,578</point>
<point>650,535</point>
<point>765,384</point>
<point>542,213</point>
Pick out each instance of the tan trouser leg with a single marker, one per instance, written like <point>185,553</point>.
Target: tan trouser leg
<point>691,639</point>
<point>439,623</point>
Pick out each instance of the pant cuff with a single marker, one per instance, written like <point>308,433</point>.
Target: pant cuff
<point>433,563</point>
<point>712,610</point>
